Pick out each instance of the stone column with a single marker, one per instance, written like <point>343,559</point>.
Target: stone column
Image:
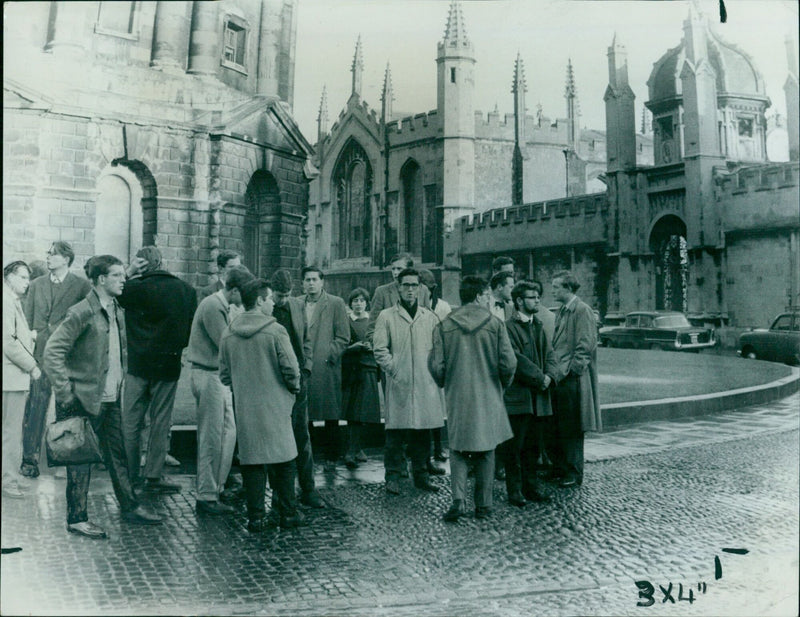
<point>68,28</point>
<point>170,35</point>
<point>204,43</point>
<point>268,47</point>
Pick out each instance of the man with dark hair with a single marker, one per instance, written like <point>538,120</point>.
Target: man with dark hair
<point>328,336</point>
<point>386,296</point>
<point>576,404</point>
<point>473,361</point>
<point>501,285</point>
<point>49,297</point>
<point>527,399</point>
<point>85,359</point>
<point>413,404</point>
<point>257,361</point>
<point>226,261</point>
<point>502,264</point>
<point>216,426</point>
<point>158,317</point>
<point>290,313</point>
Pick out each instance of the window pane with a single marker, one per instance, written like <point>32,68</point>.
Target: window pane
<point>116,16</point>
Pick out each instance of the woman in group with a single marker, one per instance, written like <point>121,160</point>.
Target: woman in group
<point>359,379</point>
<point>19,366</point>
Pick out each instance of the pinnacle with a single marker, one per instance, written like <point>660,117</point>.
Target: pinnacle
<point>455,30</point>
<point>519,84</point>
<point>570,91</point>
<point>358,56</point>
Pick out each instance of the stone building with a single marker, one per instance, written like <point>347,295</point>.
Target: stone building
<point>711,228</point>
<point>167,123</point>
<point>394,182</point>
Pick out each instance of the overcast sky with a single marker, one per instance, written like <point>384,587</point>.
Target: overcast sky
<point>545,32</point>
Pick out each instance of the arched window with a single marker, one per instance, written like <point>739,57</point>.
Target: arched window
<point>118,214</point>
<point>352,179</point>
<point>262,223</point>
<point>413,207</point>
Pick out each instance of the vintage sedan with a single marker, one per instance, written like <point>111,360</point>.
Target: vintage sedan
<point>781,343</point>
<point>657,330</point>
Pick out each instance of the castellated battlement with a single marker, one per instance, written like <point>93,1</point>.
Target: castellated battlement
<point>557,222</point>
<point>537,130</point>
<point>413,128</point>
<point>765,177</point>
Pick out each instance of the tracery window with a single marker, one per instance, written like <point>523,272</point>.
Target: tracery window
<point>353,182</point>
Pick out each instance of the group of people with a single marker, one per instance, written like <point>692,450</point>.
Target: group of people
<point>264,364</point>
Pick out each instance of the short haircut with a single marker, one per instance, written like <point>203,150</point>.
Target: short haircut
<point>65,250</point>
<point>569,280</point>
<point>225,256</point>
<point>252,290</point>
<point>501,261</point>
<point>402,257</point>
<point>521,288</point>
<point>14,266</point>
<point>99,265</point>
<point>237,278</point>
<point>358,292</point>
<point>499,279</point>
<point>407,272</point>
<point>308,269</point>
<point>152,255</point>
<point>426,278</point>
<point>281,281</point>
<point>471,287</point>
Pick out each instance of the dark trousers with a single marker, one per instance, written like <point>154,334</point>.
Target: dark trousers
<point>330,441</point>
<point>108,426</point>
<point>355,437</point>
<point>281,480</point>
<point>437,439</point>
<point>305,456</point>
<point>567,445</point>
<point>418,447</point>
<point>35,416</point>
<point>520,453</point>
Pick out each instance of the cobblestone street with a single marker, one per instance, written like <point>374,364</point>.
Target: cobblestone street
<point>658,513</point>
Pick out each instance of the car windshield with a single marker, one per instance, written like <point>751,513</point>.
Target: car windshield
<point>671,321</point>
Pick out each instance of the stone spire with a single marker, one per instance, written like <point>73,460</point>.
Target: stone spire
<point>322,117</point>
<point>570,93</point>
<point>387,96</point>
<point>357,68</point>
<point>455,34</point>
<point>518,88</point>
<point>620,111</point>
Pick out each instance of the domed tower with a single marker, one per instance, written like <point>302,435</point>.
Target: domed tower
<point>455,85</point>
<point>707,99</point>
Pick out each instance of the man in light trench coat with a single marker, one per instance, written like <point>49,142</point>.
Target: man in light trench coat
<point>414,403</point>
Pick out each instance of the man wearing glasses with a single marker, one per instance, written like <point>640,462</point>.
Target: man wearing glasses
<point>414,403</point>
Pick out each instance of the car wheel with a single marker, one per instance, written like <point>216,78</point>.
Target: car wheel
<point>749,353</point>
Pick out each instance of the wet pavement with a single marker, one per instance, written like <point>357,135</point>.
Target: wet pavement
<point>659,504</point>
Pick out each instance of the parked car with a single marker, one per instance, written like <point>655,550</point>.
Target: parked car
<point>657,330</point>
<point>781,343</point>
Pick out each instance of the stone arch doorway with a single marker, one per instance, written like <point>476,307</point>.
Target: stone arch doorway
<point>671,261</point>
<point>262,225</point>
<point>125,210</point>
<point>413,207</point>
<point>352,218</point>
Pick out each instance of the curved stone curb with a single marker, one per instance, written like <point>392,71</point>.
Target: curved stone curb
<point>621,414</point>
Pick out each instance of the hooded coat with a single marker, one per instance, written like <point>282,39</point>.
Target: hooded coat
<point>257,361</point>
<point>473,361</point>
<point>401,346</point>
<point>575,352</point>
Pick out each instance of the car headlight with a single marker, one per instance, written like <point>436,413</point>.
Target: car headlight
<point>678,342</point>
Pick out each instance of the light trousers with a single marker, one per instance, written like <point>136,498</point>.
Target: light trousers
<point>13,416</point>
<point>460,463</point>
<point>216,432</point>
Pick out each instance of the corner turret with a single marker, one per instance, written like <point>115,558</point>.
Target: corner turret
<point>620,112</point>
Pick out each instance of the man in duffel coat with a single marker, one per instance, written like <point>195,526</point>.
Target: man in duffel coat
<point>577,408</point>
<point>413,403</point>
<point>257,361</point>
<point>528,397</point>
<point>473,361</point>
<point>328,336</point>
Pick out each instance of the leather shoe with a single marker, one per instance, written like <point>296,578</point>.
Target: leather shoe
<point>537,497</point>
<point>361,457</point>
<point>455,512</point>
<point>290,522</point>
<point>158,485</point>
<point>569,482</point>
<point>29,470</point>
<point>516,499</point>
<point>312,500</point>
<point>434,469</point>
<point>500,474</point>
<point>424,484</point>
<point>257,525</point>
<point>141,516</point>
<point>483,512</point>
<point>88,530</point>
<point>230,495</point>
<point>393,487</point>
<point>440,456</point>
<point>213,508</point>
<point>350,462</point>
